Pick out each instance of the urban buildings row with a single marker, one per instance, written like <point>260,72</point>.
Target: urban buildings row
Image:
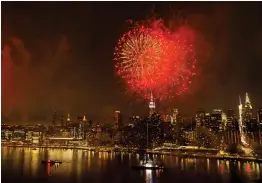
<point>225,127</point>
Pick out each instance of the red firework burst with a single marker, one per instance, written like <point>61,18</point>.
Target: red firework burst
<point>150,58</point>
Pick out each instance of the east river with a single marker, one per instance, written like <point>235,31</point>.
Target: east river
<point>24,165</point>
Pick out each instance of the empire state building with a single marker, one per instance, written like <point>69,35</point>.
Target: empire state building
<point>152,105</point>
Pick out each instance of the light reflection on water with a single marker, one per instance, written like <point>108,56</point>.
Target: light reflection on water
<point>87,166</point>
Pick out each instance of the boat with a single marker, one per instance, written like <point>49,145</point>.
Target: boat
<point>51,162</point>
<point>148,165</point>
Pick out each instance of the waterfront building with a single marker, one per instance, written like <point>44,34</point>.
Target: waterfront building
<point>6,134</point>
<point>18,135</point>
<point>29,136</point>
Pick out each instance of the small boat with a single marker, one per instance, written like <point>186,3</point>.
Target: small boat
<point>148,165</point>
<point>51,162</point>
<point>140,167</point>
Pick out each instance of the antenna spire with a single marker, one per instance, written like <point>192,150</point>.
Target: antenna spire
<point>247,98</point>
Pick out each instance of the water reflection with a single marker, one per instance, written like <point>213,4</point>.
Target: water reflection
<point>148,176</point>
<point>87,166</point>
<point>34,161</point>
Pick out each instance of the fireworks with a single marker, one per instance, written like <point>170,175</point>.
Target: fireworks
<point>150,58</point>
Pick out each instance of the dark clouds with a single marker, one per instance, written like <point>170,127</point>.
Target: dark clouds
<point>59,56</point>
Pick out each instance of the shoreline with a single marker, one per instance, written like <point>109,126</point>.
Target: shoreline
<point>116,149</point>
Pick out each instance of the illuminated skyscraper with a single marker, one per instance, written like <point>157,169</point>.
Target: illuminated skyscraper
<point>68,119</point>
<point>200,118</point>
<point>118,119</point>
<point>230,118</point>
<point>216,120</point>
<point>84,119</point>
<point>207,120</point>
<point>224,121</point>
<point>231,133</point>
<point>241,122</point>
<point>152,105</point>
<point>174,116</point>
<point>240,110</point>
<point>246,111</point>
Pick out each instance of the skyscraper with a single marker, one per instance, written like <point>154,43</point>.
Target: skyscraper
<point>230,118</point>
<point>231,133</point>
<point>118,119</point>
<point>246,112</point>
<point>152,105</point>
<point>174,116</point>
<point>216,120</point>
<point>68,119</point>
<point>84,119</point>
<point>200,118</point>
<point>207,119</point>
<point>240,111</point>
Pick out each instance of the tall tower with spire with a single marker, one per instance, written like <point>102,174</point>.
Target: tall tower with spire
<point>152,105</point>
<point>247,111</point>
<point>247,102</point>
<point>240,110</point>
<point>84,119</point>
<point>68,119</point>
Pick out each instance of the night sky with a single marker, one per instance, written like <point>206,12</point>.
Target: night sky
<point>59,56</point>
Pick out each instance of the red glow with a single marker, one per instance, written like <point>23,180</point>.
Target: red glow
<point>14,75</point>
<point>48,168</point>
<point>8,96</point>
<point>151,58</point>
<point>249,168</point>
<point>221,167</point>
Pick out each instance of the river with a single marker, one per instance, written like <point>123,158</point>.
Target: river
<point>24,165</point>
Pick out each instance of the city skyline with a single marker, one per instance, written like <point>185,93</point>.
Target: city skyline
<point>61,119</point>
<point>51,58</point>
